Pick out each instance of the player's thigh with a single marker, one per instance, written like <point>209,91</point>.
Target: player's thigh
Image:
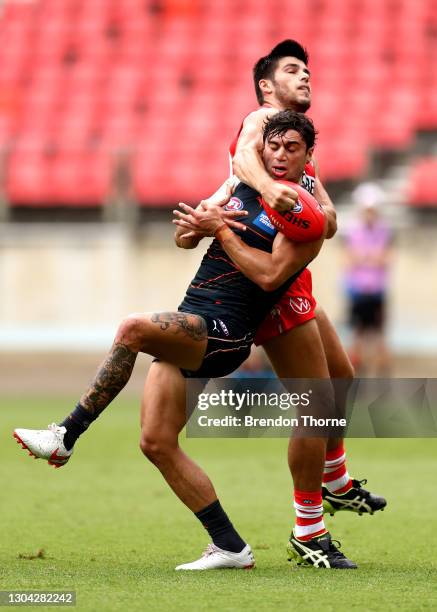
<point>298,353</point>
<point>339,364</point>
<point>163,413</point>
<point>179,338</point>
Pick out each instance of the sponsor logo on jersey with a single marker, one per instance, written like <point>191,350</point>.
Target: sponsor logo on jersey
<point>264,223</point>
<point>308,183</point>
<point>234,204</point>
<point>300,305</point>
<point>224,328</point>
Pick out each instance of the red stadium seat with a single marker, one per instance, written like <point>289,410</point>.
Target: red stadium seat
<point>426,112</point>
<point>79,178</point>
<point>27,178</point>
<point>174,86</point>
<point>422,189</point>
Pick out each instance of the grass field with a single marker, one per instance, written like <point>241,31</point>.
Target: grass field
<point>112,531</point>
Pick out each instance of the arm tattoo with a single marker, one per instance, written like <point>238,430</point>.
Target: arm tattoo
<point>193,326</point>
<point>110,379</point>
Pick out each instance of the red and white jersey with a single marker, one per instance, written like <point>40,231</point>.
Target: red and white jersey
<point>308,177</point>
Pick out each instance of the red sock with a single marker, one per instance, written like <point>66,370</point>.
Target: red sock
<point>335,475</point>
<point>309,515</point>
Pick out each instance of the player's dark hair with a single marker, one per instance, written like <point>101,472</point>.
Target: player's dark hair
<point>286,120</point>
<point>266,66</point>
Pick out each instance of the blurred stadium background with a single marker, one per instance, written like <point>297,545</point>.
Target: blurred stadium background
<point>112,111</point>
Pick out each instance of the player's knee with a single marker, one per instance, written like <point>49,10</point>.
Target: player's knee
<point>132,330</point>
<point>156,449</point>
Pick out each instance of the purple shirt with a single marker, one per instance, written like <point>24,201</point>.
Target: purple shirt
<point>367,242</point>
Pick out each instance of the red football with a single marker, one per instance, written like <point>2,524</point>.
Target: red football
<point>304,223</point>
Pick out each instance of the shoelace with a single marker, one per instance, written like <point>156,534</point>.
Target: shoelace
<point>362,482</point>
<point>56,429</point>
<point>357,484</point>
<point>334,548</point>
<point>209,550</point>
<point>331,546</point>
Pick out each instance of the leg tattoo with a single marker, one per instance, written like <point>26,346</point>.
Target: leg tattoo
<point>194,327</point>
<point>112,376</point>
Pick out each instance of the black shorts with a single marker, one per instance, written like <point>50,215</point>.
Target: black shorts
<point>367,311</point>
<point>228,346</point>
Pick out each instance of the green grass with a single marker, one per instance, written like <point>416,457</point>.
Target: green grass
<point>112,531</point>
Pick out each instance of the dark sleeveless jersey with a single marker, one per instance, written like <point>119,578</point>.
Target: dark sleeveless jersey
<point>219,288</point>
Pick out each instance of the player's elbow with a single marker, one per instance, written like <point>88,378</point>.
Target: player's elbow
<point>263,280</point>
<point>236,163</point>
<point>239,161</point>
<point>185,243</point>
<point>269,282</point>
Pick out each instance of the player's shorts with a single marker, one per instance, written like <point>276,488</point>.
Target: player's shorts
<point>228,346</point>
<point>366,311</point>
<point>296,306</point>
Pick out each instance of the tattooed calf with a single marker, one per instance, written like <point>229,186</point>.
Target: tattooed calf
<point>110,379</point>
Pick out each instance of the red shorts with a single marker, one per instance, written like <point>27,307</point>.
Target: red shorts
<point>295,307</point>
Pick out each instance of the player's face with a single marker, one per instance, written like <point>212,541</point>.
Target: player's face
<point>285,156</point>
<point>291,84</point>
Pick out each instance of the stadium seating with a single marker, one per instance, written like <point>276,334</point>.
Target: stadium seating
<point>422,191</point>
<point>170,81</point>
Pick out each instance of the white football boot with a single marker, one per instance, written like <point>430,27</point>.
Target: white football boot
<point>45,444</point>
<point>216,558</point>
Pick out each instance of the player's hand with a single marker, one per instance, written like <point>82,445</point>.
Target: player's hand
<point>217,201</point>
<point>220,201</point>
<point>206,221</point>
<point>279,196</point>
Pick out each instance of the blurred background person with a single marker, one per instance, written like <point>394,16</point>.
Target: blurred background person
<point>368,244</point>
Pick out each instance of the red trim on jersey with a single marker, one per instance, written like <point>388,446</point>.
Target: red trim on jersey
<point>250,229</point>
<point>223,259</point>
<point>210,280</point>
